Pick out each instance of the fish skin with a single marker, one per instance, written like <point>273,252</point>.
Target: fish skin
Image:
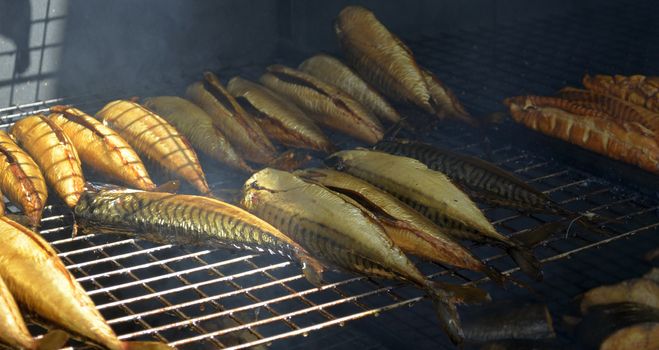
<point>13,331</point>
<point>620,326</point>
<point>639,290</point>
<point>186,220</point>
<point>411,181</point>
<point>324,103</point>
<point>155,139</point>
<point>38,280</point>
<point>55,154</point>
<point>280,118</point>
<point>481,179</point>
<point>101,147</point>
<point>381,58</point>
<point>21,179</point>
<point>197,126</point>
<point>408,229</point>
<point>231,119</point>
<point>332,71</point>
<point>339,233</point>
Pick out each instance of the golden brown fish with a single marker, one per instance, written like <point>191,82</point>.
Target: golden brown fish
<point>381,58</point>
<point>411,231</point>
<point>332,71</point>
<point>156,139</point>
<point>243,132</point>
<point>433,195</point>
<point>53,151</point>
<point>337,232</point>
<point>640,290</point>
<point>279,118</point>
<point>101,148</point>
<point>198,127</point>
<point>640,90</point>
<point>38,279</point>
<point>21,180</point>
<point>326,104</point>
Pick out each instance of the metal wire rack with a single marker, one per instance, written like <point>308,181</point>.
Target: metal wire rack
<point>195,298</point>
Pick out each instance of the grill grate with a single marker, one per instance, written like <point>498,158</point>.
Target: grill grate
<point>203,299</point>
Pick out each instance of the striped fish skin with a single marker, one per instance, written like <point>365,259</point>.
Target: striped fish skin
<point>38,280</point>
<point>102,148</point>
<point>21,179</point>
<point>324,103</point>
<point>186,220</point>
<point>155,139</point>
<point>13,331</point>
<point>432,194</point>
<point>408,229</point>
<point>198,127</point>
<point>381,58</point>
<point>278,117</point>
<point>482,180</point>
<point>55,154</point>
<point>231,119</point>
<point>340,233</point>
<point>332,71</point>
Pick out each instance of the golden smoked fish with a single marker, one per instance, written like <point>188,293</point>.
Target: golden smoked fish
<point>155,139</point>
<point>433,195</point>
<point>21,180</point>
<point>101,148</point>
<point>53,151</point>
<point>243,132</point>
<point>38,280</point>
<point>326,104</point>
<point>279,118</point>
<point>332,71</point>
<point>380,57</point>
<point>198,127</point>
<point>337,232</point>
<point>411,231</point>
<point>186,220</point>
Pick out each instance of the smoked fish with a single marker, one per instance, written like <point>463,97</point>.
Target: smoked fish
<point>620,326</point>
<point>432,194</point>
<point>231,119</point>
<point>640,290</point>
<point>339,233</point>
<point>154,138</point>
<point>21,179</point>
<point>638,89</point>
<point>381,58</point>
<point>198,127</point>
<point>39,281</point>
<point>324,103</point>
<point>55,154</point>
<point>186,220</point>
<point>332,71</point>
<point>101,148</point>
<point>412,232</point>
<point>278,117</point>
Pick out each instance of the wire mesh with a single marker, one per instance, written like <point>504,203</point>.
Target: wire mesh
<point>195,298</point>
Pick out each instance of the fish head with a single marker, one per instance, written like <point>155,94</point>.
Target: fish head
<point>267,181</point>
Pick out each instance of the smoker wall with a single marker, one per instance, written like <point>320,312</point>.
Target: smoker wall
<point>53,48</point>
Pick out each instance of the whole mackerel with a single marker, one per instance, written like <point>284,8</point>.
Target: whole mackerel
<point>433,195</point>
<point>482,180</point>
<point>185,220</point>
<point>340,233</point>
<point>412,232</point>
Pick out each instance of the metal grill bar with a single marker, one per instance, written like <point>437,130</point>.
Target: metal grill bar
<point>196,298</point>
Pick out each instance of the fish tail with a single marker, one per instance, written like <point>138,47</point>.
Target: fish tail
<point>312,271</point>
<point>53,340</point>
<point>535,236</point>
<point>145,345</point>
<point>444,297</point>
<point>526,261</point>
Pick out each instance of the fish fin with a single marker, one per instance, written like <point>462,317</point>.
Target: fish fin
<point>53,340</point>
<point>313,272</point>
<point>526,261</point>
<point>145,345</point>
<point>535,236</point>
<point>169,187</point>
<point>460,294</point>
